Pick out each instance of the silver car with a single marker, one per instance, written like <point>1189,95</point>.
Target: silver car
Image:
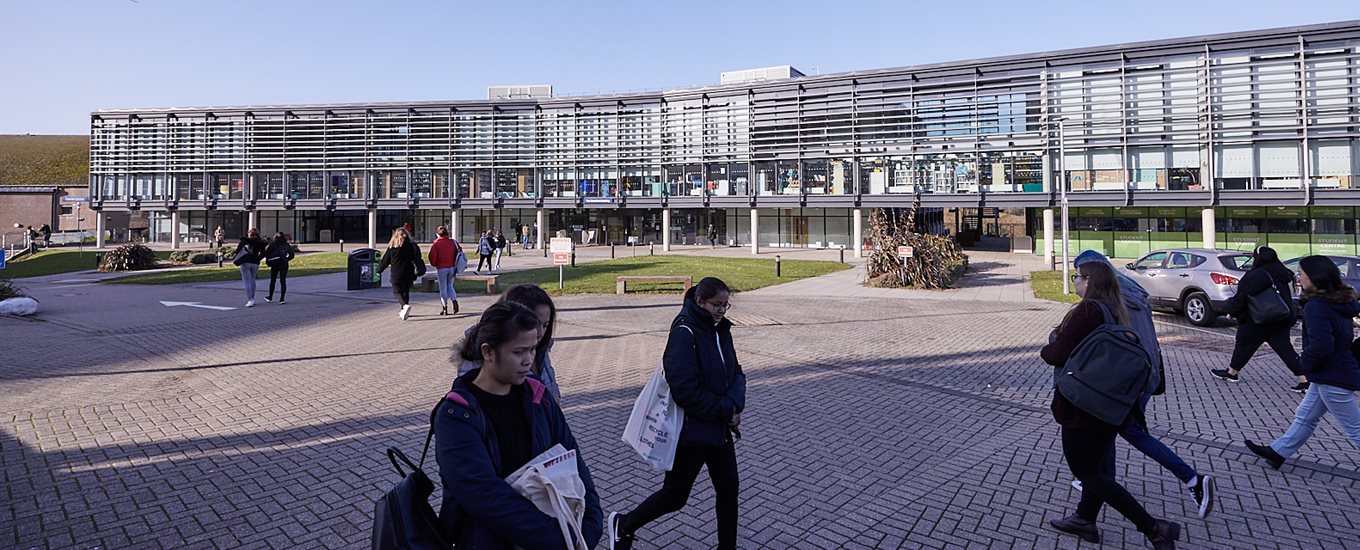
<point>1194,281</point>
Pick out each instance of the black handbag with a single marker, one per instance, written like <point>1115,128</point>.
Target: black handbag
<point>403,518</point>
<point>1268,306</point>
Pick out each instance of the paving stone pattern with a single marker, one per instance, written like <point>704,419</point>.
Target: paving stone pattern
<point>871,423</point>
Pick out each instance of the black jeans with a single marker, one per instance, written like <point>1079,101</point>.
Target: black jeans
<point>278,273</point>
<point>1090,455</point>
<point>403,293</point>
<point>722,470</point>
<point>485,259</point>
<point>1250,336</point>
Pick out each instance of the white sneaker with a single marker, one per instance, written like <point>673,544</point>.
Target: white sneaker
<point>1076,484</point>
<point>405,312</point>
<point>250,303</point>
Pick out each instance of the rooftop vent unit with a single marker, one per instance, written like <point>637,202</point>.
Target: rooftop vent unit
<point>532,91</point>
<point>756,75</point>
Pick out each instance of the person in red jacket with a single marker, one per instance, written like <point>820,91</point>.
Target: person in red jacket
<point>444,259</point>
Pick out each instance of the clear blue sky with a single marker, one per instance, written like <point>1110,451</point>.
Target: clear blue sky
<point>61,59</point>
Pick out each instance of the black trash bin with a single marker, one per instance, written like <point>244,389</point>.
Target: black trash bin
<point>363,269</point>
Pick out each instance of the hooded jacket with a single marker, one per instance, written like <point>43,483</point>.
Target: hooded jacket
<point>705,378</point>
<point>1135,300</point>
<point>479,509</point>
<point>1327,335</point>
<point>1261,277</point>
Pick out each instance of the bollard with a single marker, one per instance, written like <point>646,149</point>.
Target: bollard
<point>651,249</point>
<point>342,245</point>
<point>842,255</point>
<point>611,251</point>
<point>777,270</point>
<point>573,257</point>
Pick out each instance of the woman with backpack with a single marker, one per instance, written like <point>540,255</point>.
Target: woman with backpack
<point>1267,274</point>
<point>1087,441</point>
<point>276,256</point>
<point>705,380</point>
<point>403,256</point>
<point>537,300</point>
<point>247,257</point>
<point>444,255</point>
<point>1328,359</point>
<point>497,419</point>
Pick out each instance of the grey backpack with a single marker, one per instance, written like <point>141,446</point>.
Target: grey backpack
<point>1106,373</point>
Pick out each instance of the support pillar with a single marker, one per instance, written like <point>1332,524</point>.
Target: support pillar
<point>252,220</point>
<point>542,228</point>
<point>755,231</point>
<point>1209,228</point>
<point>1048,237</point>
<point>174,230</point>
<point>99,229</point>
<point>665,230</point>
<point>373,228</point>
<point>857,236</point>
<point>454,232</point>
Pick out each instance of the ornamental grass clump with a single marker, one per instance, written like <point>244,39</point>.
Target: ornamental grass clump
<point>129,257</point>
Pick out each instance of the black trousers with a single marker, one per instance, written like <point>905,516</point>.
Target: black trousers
<point>486,259</point>
<point>722,470</point>
<point>1250,336</point>
<point>1089,455</point>
<point>278,273</point>
<point>403,293</point>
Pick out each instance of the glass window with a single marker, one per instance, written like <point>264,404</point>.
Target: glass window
<point>1184,260</point>
<point>1151,261</point>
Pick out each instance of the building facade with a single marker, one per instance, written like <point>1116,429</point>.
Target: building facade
<point>1214,139</point>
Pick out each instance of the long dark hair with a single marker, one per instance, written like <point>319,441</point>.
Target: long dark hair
<point>500,323</point>
<point>279,240</point>
<point>707,288</point>
<point>1264,256</point>
<point>531,296</point>
<point>1102,286</point>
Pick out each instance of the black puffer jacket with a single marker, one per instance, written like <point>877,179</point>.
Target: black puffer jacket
<point>256,245</point>
<point>1258,279</point>
<point>403,263</point>
<point>705,378</point>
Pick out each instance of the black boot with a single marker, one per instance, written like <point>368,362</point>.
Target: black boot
<point>1266,452</point>
<point>455,307</point>
<point>1075,525</point>
<point>1164,535</point>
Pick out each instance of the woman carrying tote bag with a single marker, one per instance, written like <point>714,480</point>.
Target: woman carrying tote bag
<point>706,381</point>
<point>1267,275</point>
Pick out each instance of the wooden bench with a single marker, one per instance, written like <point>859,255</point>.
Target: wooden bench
<point>430,283</point>
<point>621,284</point>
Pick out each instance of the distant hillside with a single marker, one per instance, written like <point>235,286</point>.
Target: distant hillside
<point>44,160</point>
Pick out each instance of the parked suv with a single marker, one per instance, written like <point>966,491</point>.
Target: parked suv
<point>1194,281</point>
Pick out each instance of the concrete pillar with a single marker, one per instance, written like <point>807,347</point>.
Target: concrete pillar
<point>454,232</point>
<point>539,220</point>
<point>99,229</point>
<point>174,230</point>
<point>1210,229</point>
<point>252,220</point>
<point>373,228</point>
<point>857,236</point>
<point>665,230</point>
<point>755,231</point>
<point>1048,237</point>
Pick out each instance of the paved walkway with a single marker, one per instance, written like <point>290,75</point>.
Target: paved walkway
<point>872,423</point>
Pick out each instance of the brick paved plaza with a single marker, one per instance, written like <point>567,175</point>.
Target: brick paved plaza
<point>884,420</point>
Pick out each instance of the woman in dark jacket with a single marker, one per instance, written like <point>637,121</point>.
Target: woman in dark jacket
<point>1267,273</point>
<point>1088,442</point>
<point>497,419</point>
<point>402,255</point>
<point>1328,308</point>
<point>706,381</point>
<point>248,254</point>
<point>276,256</point>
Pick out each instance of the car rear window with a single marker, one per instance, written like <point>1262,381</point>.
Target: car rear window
<point>1236,262</point>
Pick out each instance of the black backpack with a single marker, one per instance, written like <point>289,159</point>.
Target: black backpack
<point>1107,373</point>
<point>403,518</point>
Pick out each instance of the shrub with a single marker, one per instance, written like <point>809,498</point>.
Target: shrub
<point>203,258</point>
<point>9,290</point>
<point>129,257</point>
<point>180,256</point>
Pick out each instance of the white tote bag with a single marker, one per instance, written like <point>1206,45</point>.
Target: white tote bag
<point>553,483</point>
<point>654,427</point>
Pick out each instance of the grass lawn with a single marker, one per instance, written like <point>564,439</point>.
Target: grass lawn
<point>52,262</point>
<point>599,277</point>
<point>315,263</point>
<point>1047,285</point>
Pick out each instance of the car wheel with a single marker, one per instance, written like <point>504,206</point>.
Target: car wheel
<point>1198,310</point>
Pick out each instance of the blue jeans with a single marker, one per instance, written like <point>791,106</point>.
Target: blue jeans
<point>1137,435</point>
<point>1320,399</point>
<point>446,291</point>
<point>248,273</point>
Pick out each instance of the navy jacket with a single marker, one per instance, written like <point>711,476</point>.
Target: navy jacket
<point>704,375</point>
<point>403,263</point>
<point>1271,275</point>
<point>1327,336</point>
<point>480,510</point>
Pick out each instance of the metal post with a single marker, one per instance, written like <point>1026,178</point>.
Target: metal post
<point>80,233</point>
<point>842,255</point>
<point>342,245</point>
<point>573,256</point>
<point>611,251</point>
<point>1062,171</point>
<point>777,268</point>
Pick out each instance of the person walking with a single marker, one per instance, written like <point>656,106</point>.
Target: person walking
<point>402,256</point>
<point>444,259</point>
<point>499,243</point>
<point>1135,298</point>
<point>276,256</point>
<point>1328,359</point>
<point>248,253</point>
<point>524,235</point>
<point>712,236</point>
<point>46,232</point>
<point>219,237</point>
<point>496,419</point>
<point>537,300</point>
<point>705,380</point>
<point>1087,442</point>
<point>484,247</point>
<point>1267,274</point>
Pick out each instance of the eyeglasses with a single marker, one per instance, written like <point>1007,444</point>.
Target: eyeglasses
<point>719,305</point>
<point>1075,277</point>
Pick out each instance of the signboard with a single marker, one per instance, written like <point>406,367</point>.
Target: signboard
<point>1333,212</point>
<point>1288,212</point>
<point>561,258</point>
<point>2,258</point>
<point>75,199</point>
<point>560,245</point>
<point>1172,212</point>
<point>904,251</point>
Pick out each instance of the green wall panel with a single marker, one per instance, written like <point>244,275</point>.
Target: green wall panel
<point>1099,241</point>
<point>1335,244</point>
<point>1241,241</point>
<point>1131,244</point>
<point>1290,245</point>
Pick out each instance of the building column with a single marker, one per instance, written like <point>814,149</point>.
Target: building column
<point>542,228</point>
<point>252,220</point>
<point>1209,228</point>
<point>857,236</point>
<point>174,230</point>
<point>98,228</point>
<point>665,230</point>
<point>373,228</point>
<point>1048,237</point>
<point>454,227</point>
<point>755,231</point>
